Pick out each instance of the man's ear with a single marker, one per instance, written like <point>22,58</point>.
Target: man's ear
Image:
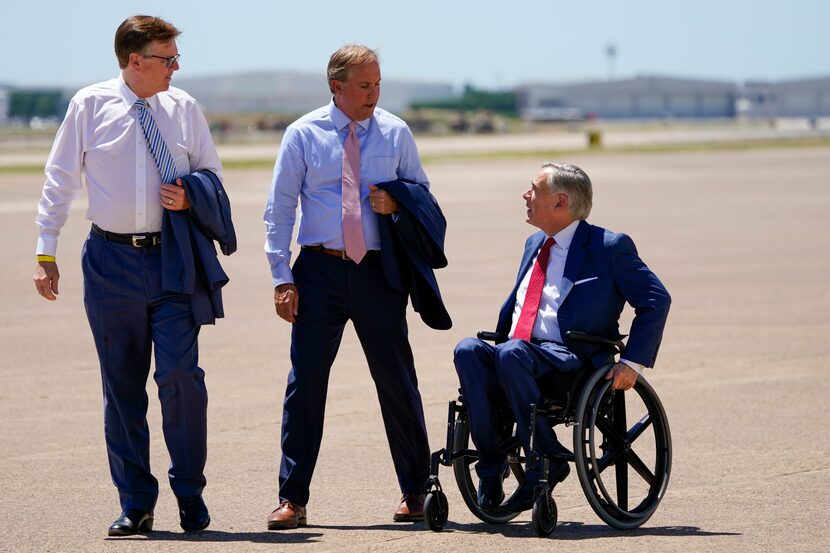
<point>562,201</point>
<point>133,61</point>
<point>336,86</point>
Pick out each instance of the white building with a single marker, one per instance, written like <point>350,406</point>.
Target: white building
<point>757,100</point>
<point>803,97</point>
<point>294,92</point>
<point>639,97</point>
<point>794,98</point>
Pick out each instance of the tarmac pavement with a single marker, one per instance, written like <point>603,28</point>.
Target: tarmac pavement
<point>741,240</point>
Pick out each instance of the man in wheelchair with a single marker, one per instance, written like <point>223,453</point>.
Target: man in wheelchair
<point>573,276</point>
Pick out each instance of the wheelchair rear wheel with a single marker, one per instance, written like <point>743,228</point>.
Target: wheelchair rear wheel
<point>465,477</point>
<point>623,468</point>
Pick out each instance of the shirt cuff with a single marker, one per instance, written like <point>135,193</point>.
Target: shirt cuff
<point>636,366</point>
<point>47,245</point>
<point>282,275</point>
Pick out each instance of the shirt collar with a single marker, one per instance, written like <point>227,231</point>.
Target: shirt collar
<point>130,97</point>
<point>341,120</point>
<point>565,236</point>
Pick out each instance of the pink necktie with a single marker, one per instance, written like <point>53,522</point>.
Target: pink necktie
<point>352,222</point>
<point>533,296</point>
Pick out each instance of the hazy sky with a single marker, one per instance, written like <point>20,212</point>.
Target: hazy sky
<point>488,43</point>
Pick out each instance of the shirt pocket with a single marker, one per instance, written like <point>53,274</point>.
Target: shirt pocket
<point>585,280</point>
<point>324,166</point>
<point>181,158</point>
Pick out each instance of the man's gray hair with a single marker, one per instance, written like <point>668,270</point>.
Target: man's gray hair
<point>572,181</point>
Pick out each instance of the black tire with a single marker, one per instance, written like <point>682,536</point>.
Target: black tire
<point>545,514</point>
<point>603,440</point>
<point>436,510</point>
<point>463,469</point>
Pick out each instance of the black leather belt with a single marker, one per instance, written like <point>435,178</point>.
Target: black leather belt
<point>145,240</point>
<point>337,253</point>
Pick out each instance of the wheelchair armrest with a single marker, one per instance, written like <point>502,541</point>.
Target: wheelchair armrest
<point>576,336</point>
<point>489,336</point>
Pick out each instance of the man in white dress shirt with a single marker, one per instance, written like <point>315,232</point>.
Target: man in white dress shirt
<point>102,143</point>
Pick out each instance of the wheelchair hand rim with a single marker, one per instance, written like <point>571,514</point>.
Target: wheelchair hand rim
<point>595,390</point>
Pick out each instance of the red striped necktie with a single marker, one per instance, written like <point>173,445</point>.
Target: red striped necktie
<point>533,296</point>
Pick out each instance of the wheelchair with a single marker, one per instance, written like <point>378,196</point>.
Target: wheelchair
<point>623,467</point>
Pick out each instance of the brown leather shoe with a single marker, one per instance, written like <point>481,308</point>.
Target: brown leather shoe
<point>411,509</point>
<point>287,515</point>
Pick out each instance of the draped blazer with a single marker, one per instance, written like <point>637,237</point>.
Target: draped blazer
<point>412,245</point>
<point>188,256</point>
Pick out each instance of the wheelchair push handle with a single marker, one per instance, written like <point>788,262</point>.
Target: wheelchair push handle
<point>489,336</point>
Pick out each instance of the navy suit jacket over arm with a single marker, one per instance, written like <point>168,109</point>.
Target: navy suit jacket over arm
<point>412,246</point>
<point>189,261</point>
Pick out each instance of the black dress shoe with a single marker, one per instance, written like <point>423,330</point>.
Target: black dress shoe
<point>490,492</point>
<point>193,513</point>
<point>522,498</point>
<point>131,522</point>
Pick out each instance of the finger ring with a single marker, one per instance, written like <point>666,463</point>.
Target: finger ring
<point>169,201</point>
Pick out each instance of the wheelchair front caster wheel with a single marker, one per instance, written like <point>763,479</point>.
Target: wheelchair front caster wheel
<point>436,510</point>
<point>544,514</point>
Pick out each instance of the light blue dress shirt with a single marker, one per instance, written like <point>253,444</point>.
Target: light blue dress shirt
<point>309,169</point>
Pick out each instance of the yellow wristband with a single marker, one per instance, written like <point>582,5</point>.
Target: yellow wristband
<point>45,258</point>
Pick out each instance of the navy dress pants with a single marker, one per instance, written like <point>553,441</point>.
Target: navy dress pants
<point>333,291</point>
<point>507,373</point>
<point>132,318</point>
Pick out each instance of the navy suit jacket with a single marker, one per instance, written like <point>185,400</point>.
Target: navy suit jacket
<point>602,273</point>
<point>189,262</point>
<point>412,246</point>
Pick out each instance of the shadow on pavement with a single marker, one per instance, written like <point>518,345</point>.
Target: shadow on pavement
<point>564,531</point>
<point>580,531</point>
<point>265,536</point>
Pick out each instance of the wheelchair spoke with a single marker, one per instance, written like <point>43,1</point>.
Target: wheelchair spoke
<point>620,424</point>
<point>609,432</point>
<point>622,484</point>
<point>641,426</point>
<point>638,465</point>
<point>609,458</point>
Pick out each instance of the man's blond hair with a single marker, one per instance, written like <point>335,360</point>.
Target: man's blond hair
<point>341,62</point>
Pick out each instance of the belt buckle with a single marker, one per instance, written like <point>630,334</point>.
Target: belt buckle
<point>135,240</point>
<point>343,255</point>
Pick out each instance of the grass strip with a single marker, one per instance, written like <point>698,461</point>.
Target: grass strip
<point>508,154</point>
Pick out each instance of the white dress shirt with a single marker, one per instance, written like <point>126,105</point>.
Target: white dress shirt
<point>101,145</point>
<point>546,326</point>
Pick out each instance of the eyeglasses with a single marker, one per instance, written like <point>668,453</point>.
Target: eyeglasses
<point>168,60</point>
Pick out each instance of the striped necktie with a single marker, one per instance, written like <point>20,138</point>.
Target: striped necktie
<point>533,296</point>
<point>155,142</point>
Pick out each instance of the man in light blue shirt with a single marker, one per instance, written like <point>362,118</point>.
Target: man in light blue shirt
<point>330,284</point>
